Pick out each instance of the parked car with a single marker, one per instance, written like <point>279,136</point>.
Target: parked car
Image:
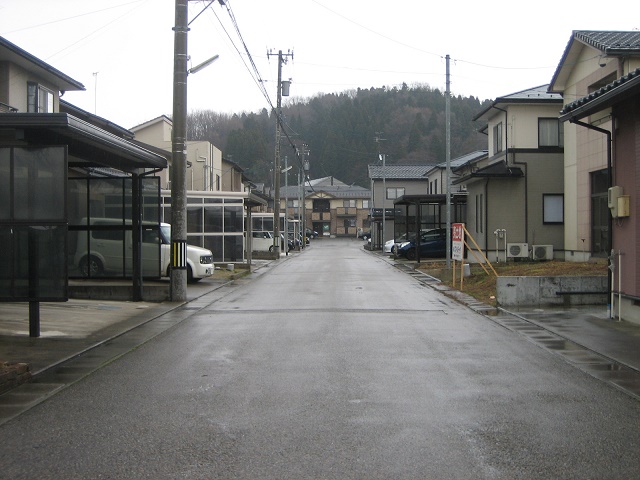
<point>432,245</point>
<point>364,234</point>
<point>100,251</point>
<point>311,233</point>
<point>262,242</point>
<point>390,245</point>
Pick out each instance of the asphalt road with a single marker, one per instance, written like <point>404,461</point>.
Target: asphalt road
<point>331,365</point>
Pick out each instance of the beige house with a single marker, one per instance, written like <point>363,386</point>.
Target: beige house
<point>591,60</point>
<point>515,193</point>
<point>204,161</point>
<point>332,208</point>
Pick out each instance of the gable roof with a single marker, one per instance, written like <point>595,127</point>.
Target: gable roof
<point>609,42</point>
<point>14,54</point>
<point>537,95</point>
<point>399,172</point>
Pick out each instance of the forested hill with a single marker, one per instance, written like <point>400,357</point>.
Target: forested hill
<point>340,131</point>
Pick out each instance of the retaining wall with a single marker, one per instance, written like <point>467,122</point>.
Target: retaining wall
<point>541,291</point>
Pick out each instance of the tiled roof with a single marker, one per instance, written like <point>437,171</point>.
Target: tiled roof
<point>404,172</point>
<point>536,95</point>
<point>598,97</point>
<point>464,159</point>
<point>610,42</point>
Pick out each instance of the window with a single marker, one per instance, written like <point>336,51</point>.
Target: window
<point>553,208</point>
<point>550,132</point>
<point>321,205</point>
<point>349,204</point>
<point>39,99</point>
<point>497,138</point>
<point>394,192</point>
<point>365,203</point>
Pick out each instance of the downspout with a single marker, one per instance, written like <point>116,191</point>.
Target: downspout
<point>610,184</point>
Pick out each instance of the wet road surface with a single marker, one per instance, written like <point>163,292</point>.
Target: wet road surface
<point>332,364</point>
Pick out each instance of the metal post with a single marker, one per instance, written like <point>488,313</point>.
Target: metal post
<point>178,279</point>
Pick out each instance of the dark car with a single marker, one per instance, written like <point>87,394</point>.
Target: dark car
<point>364,234</point>
<point>433,244</point>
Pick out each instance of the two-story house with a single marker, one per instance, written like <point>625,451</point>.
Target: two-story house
<point>515,196</point>
<point>204,160</point>
<point>332,208</point>
<point>599,76</point>
<point>388,184</point>
<point>591,60</point>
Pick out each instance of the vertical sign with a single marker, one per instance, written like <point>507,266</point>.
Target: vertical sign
<point>457,241</point>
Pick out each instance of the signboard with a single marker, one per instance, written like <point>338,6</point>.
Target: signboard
<point>457,241</point>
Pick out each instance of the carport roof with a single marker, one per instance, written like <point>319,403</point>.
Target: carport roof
<point>88,145</point>
<point>495,170</point>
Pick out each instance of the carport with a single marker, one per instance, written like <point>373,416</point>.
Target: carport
<point>421,212</point>
<point>38,154</point>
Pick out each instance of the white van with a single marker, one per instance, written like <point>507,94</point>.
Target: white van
<point>105,252</point>
<point>261,242</point>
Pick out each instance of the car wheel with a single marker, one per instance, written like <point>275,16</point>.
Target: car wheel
<point>190,278</point>
<point>271,248</point>
<point>411,254</point>
<point>91,266</point>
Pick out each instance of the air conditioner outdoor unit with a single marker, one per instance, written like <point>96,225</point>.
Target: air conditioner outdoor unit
<point>542,252</point>
<point>517,250</point>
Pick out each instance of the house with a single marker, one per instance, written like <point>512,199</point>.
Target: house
<point>437,175</point>
<point>606,155</point>
<point>332,208</point>
<point>515,192</point>
<point>591,60</point>
<point>389,183</point>
<point>204,161</point>
<point>59,165</point>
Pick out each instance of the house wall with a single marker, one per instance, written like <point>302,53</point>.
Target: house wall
<point>206,166</point>
<point>585,149</point>
<point>626,231</point>
<point>13,86</point>
<point>544,175</point>
<point>411,187</point>
<point>158,134</point>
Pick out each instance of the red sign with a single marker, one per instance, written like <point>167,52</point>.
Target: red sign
<point>457,241</point>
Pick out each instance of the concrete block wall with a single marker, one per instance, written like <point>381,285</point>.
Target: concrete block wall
<point>547,291</point>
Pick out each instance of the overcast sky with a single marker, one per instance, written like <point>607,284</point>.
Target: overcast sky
<point>122,50</point>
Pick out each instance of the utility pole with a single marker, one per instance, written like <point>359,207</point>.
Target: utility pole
<point>383,157</point>
<point>178,278</point>
<point>276,169</point>
<point>447,99</point>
